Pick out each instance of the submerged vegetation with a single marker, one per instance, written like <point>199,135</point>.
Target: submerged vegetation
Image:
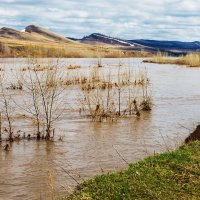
<point>73,67</point>
<point>41,96</point>
<point>190,60</point>
<point>108,97</point>
<point>171,175</point>
<point>38,92</point>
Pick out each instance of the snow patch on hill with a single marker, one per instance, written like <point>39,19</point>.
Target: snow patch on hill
<point>113,39</point>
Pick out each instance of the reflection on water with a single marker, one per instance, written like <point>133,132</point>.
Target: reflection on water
<point>36,170</point>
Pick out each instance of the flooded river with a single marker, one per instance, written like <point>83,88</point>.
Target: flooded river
<point>41,170</point>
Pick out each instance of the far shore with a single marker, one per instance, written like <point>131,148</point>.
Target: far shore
<point>190,60</point>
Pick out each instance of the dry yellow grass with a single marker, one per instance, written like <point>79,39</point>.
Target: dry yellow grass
<point>40,48</point>
<point>38,68</point>
<point>190,60</point>
<point>71,67</point>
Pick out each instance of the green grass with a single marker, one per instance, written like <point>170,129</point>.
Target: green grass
<point>172,175</point>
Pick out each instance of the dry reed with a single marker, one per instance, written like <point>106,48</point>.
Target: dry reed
<point>190,60</point>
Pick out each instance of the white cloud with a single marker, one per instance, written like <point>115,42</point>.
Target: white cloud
<point>165,19</point>
<point>7,12</point>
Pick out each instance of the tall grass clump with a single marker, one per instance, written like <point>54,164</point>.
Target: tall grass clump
<point>190,60</point>
<point>160,58</point>
<point>110,96</point>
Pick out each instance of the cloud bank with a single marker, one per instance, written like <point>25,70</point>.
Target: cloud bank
<point>136,19</point>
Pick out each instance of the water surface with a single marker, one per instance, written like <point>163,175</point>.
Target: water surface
<point>31,169</point>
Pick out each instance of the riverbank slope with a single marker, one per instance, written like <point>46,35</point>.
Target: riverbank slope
<point>171,175</point>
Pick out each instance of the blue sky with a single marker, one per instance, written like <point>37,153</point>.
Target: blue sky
<point>129,19</point>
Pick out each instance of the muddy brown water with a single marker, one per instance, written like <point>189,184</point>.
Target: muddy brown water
<point>42,170</point>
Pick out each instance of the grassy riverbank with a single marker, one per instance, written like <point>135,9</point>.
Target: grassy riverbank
<point>171,175</point>
<point>190,60</point>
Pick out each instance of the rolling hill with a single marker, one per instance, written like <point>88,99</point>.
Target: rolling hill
<point>39,33</point>
<point>33,34</point>
<point>40,42</point>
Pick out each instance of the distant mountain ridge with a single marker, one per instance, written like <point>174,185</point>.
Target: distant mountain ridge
<point>170,45</point>
<point>97,37</point>
<point>140,43</point>
<point>101,38</point>
<point>36,33</point>
<point>39,36</point>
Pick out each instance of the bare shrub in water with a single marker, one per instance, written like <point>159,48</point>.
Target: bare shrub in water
<point>44,96</point>
<point>6,109</point>
<point>125,94</point>
<point>146,103</point>
<point>99,104</point>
